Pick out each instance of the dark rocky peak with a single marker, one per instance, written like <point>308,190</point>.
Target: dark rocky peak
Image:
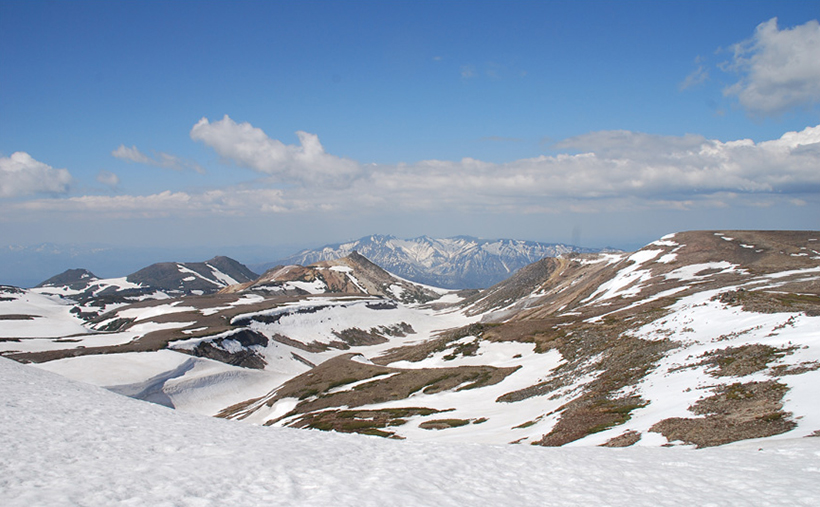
<point>209,276</point>
<point>233,268</point>
<point>73,278</point>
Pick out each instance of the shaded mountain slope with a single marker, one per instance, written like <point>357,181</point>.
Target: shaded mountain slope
<point>75,279</point>
<point>208,276</point>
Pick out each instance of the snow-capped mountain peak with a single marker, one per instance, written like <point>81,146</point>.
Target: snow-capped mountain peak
<point>455,263</point>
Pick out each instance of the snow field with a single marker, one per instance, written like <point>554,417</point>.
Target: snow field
<point>115,369</point>
<point>340,315</point>
<point>247,299</point>
<point>51,317</point>
<point>149,312</point>
<point>68,444</point>
<point>100,285</point>
<point>89,340</point>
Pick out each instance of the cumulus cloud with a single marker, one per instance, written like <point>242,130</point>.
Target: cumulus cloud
<point>614,165</point>
<point>623,163</point>
<point>248,146</point>
<point>21,175</point>
<point>618,166</point>
<point>160,159</point>
<point>779,69</point>
<point>601,172</point>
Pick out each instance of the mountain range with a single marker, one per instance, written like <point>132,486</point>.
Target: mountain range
<point>460,262</point>
<point>698,339</point>
<point>455,263</point>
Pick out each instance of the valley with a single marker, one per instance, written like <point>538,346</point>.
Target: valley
<point>698,339</point>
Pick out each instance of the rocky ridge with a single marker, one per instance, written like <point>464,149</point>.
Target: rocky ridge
<point>352,274</point>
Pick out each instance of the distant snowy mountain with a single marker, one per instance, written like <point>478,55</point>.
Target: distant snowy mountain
<point>461,262</point>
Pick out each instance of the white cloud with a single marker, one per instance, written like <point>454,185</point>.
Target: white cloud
<point>21,175</point>
<point>611,171</point>
<point>248,146</point>
<point>618,166</point>
<point>108,178</point>
<point>615,170</point>
<point>162,159</point>
<point>780,69</point>
<point>132,154</point>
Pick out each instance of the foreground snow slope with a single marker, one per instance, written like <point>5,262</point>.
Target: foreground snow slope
<point>67,443</point>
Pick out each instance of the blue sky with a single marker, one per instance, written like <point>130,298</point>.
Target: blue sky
<point>287,124</point>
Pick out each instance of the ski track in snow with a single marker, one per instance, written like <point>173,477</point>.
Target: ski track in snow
<point>68,444</point>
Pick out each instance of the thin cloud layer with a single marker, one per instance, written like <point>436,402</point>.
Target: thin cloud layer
<point>162,159</point>
<point>223,202</point>
<point>698,76</point>
<point>21,175</point>
<point>780,69</point>
<point>108,178</point>
<point>248,146</point>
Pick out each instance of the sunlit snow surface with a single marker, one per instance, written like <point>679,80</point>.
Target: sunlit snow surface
<point>46,316</point>
<point>67,444</point>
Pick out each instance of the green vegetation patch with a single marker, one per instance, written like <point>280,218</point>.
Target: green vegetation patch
<point>606,352</point>
<point>117,324</point>
<point>18,317</point>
